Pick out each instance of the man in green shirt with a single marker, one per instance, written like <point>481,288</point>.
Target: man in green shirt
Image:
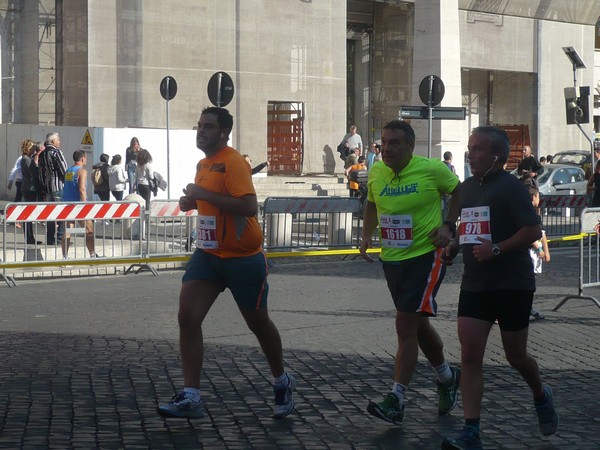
<point>404,199</point>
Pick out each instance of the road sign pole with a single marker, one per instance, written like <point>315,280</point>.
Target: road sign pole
<point>168,147</point>
<point>430,117</point>
<point>220,78</point>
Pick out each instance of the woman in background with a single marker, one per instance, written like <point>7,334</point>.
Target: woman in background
<point>145,174</point>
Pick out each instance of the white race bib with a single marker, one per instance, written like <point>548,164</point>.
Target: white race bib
<point>474,223</point>
<point>396,230</point>
<point>206,233</point>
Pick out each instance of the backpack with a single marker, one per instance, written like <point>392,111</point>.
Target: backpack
<point>343,151</point>
<point>97,178</point>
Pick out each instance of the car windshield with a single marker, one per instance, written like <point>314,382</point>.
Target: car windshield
<point>569,158</point>
<point>544,174</point>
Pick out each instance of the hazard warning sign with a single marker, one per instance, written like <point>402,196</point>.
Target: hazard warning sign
<point>87,138</point>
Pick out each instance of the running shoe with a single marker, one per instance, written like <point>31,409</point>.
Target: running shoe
<point>182,407</point>
<point>448,392</point>
<point>284,398</point>
<point>389,409</point>
<point>468,438</point>
<point>547,416</point>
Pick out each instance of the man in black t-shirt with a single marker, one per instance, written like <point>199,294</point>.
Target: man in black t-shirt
<point>497,226</point>
<point>529,163</point>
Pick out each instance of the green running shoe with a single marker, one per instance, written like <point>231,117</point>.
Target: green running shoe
<point>448,392</point>
<point>389,409</point>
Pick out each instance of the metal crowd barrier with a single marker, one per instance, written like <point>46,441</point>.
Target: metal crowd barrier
<point>561,213</point>
<point>589,255</point>
<point>116,232</point>
<point>170,231</point>
<point>311,222</point>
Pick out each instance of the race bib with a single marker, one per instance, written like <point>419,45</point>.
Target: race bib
<point>396,231</point>
<point>474,223</point>
<point>206,233</point>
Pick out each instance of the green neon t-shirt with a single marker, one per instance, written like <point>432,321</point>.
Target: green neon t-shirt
<point>409,204</point>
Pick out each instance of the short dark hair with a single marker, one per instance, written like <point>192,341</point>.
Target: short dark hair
<point>224,119</point>
<point>115,160</point>
<point>447,155</point>
<point>104,158</point>
<point>499,141</point>
<point>401,125</point>
<point>361,159</point>
<point>77,155</point>
<point>532,189</point>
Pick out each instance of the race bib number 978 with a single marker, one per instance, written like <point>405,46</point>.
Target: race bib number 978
<point>474,224</point>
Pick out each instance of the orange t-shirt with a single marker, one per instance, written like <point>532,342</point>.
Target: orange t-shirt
<point>361,166</point>
<point>223,234</point>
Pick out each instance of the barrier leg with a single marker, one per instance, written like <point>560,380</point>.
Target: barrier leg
<point>10,281</point>
<point>140,268</point>
<point>569,297</point>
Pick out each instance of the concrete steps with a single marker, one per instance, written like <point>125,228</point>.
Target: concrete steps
<point>300,186</point>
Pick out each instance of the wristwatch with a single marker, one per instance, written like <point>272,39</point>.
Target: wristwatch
<point>495,249</point>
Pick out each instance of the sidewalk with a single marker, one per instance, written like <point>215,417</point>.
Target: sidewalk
<point>86,361</point>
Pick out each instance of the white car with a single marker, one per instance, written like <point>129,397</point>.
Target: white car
<point>560,179</point>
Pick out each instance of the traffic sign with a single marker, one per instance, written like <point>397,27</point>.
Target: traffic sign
<point>220,89</point>
<point>431,90</point>
<point>168,88</point>
<point>437,113</point>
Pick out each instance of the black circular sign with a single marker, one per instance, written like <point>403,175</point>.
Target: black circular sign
<point>220,89</point>
<point>168,88</point>
<point>435,85</point>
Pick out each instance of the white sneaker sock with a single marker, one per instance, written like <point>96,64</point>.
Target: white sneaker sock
<point>399,390</point>
<point>443,372</point>
<point>192,393</point>
<point>281,381</point>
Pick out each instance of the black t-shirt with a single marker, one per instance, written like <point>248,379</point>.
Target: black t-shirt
<point>510,210</point>
<point>531,164</point>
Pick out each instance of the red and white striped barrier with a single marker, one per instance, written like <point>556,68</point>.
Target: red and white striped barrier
<point>168,208</point>
<point>563,201</point>
<point>34,212</point>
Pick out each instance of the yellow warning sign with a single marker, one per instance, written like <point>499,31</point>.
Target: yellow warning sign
<point>87,138</point>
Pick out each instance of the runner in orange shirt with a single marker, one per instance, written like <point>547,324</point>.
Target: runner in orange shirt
<point>228,255</point>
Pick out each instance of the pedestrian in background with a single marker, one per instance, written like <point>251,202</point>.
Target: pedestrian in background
<point>15,176</point>
<point>100,178</point>
<point>144,175</point>
<point>116,178</point>
<point>52,167</point>
<point>131,154</point>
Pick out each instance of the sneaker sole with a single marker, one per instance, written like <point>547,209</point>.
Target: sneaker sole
<point>171,415</point>
<point>374,411</point>
<point>293,404</point>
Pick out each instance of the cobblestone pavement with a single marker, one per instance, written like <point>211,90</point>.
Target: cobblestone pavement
<point>84,363</point>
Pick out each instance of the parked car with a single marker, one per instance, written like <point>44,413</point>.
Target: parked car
<point>560,179</point>
<point>581,158</point>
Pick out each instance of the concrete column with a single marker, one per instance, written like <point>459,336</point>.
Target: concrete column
<point>26,81</point>
<point>437,52</point>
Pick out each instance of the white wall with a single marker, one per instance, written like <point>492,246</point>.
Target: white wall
<point>182,149</point>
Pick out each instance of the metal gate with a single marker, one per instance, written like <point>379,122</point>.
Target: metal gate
<point>285,137</point>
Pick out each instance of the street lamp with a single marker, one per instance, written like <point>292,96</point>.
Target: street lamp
<point>578,108</point>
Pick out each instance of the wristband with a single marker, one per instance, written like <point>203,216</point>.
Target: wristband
<point>539,249</point>
<point>451,226</point>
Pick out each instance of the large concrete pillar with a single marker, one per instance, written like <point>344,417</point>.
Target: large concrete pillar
<point>437,52</point>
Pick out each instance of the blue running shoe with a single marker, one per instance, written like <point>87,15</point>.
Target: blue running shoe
<point>448,392</point>
<point>468,439</point>
<point>181,406</point>
<point>284,398</point>
<point>547,416</point>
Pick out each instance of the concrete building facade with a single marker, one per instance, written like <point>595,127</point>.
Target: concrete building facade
<point>303,70</point>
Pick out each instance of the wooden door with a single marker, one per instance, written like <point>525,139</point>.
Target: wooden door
<point>285,138</point>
